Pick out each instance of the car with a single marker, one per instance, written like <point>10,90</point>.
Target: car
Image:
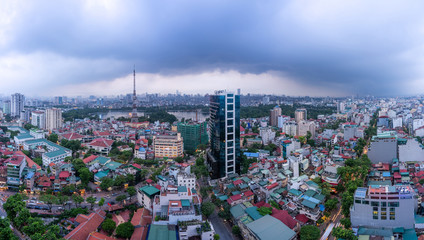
<point>114,194</point>
<point>107,196</point>
<point>59,208</point>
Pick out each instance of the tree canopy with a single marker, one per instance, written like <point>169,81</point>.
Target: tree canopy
<point>125,230</point>
<point>310,232</point>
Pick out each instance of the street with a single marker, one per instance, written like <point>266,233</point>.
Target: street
<point>220,227</point>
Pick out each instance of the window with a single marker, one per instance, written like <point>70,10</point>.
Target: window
<point>393,204</point>
<point>229,122</point>
<point>366,202</point>
<point>229,115</point>
<point>375,204</point>
<point>374,217</point>
<point>230,107</point>
<point>230,100</point>
<point>383,217</point>
<point>392,218</point>
<point>383,209</point>
<point>383,213</point>
<point>392,213</point>
<point>357,201</point>
<point>375,208</point>
<point>392,209</point>
<point>384,204</point>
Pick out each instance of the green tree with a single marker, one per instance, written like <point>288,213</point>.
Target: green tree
<point>6,232</point>
<point>310,232</point>
<point>179,159</point>
<point>207,209</point>
<point>108,226</point>
<point>265,210</point>
<point>121,198</point>
<point>331,204</point>
<point>62,200</point>
<point>91,200</point>
<point>22,218</point>
<point>78,164</point>
<point>35,225</point>
<point>236,230</point>
<point>346,222</point>
<point>53,137</point>
<point>14,205</point>
<point>131,191</point>
<point>119,180</point>
<point>68,190</point>
<point>101,202</point>
<point>85,175</point>
<point>106,183</point>
<point>38,161</point>
<point>342,233</point>
<point>125,230</point>
<point>216,236</point>
<point>77,199</point>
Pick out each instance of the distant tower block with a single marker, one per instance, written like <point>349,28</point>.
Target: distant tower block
<point>134,117</point>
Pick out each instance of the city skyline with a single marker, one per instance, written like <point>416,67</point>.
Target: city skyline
<point>324,48</point>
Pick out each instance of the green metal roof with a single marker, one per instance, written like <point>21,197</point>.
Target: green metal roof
<point>185,203</point>
<point>162,232</point>
<point>237,211</point>
<point>113,165</point>
<point>149,190</point>
<point>253,213</point>
<point>269,227</point>
<point>309,204</point>
<point>102,160</point>
<point>295,192</point>
<point>182,189</point>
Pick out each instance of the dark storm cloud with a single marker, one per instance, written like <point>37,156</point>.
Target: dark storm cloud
<point>357,45</point>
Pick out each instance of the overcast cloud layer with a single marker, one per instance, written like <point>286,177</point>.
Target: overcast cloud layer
<point>282,47</point>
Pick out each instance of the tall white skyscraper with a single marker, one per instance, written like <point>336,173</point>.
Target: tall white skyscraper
<point>17,104</point>
<point>38,118</point>
<point>53,118</point>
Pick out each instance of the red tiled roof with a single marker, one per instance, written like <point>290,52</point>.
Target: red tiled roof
<point>81,218</point>
<point>72,136</point>
<point>101,142</point>
<point>99,236</point>
<point>89,159</point>
<point>272,186</point>
<point>83,230</point>
<point>248,193</point>
<point>302,218</point>
<point>136,165</point>
<point>284,217</point>
<point>237,182</point>
<point>64,174</point>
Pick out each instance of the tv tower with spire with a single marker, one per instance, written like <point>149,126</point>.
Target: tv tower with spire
<point>134,117</point>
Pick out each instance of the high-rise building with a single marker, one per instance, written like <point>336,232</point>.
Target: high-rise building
<point>17,104</point>
<point>300,114</point>
<point>224,125</point>
<point>193,134</point>
<point>273,118</point>
<point>6,107</point>
<point>38,118</point>
<point>53,118</point>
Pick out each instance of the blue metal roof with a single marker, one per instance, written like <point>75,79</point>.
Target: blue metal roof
<point>361,193</point>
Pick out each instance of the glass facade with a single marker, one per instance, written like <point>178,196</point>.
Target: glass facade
<point>224,131</point>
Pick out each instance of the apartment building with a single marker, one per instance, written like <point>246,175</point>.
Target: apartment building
<point>168,146</point>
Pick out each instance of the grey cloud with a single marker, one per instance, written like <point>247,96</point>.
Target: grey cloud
<point>359,46</point>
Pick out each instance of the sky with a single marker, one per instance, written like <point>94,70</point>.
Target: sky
<point>296,48</point>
